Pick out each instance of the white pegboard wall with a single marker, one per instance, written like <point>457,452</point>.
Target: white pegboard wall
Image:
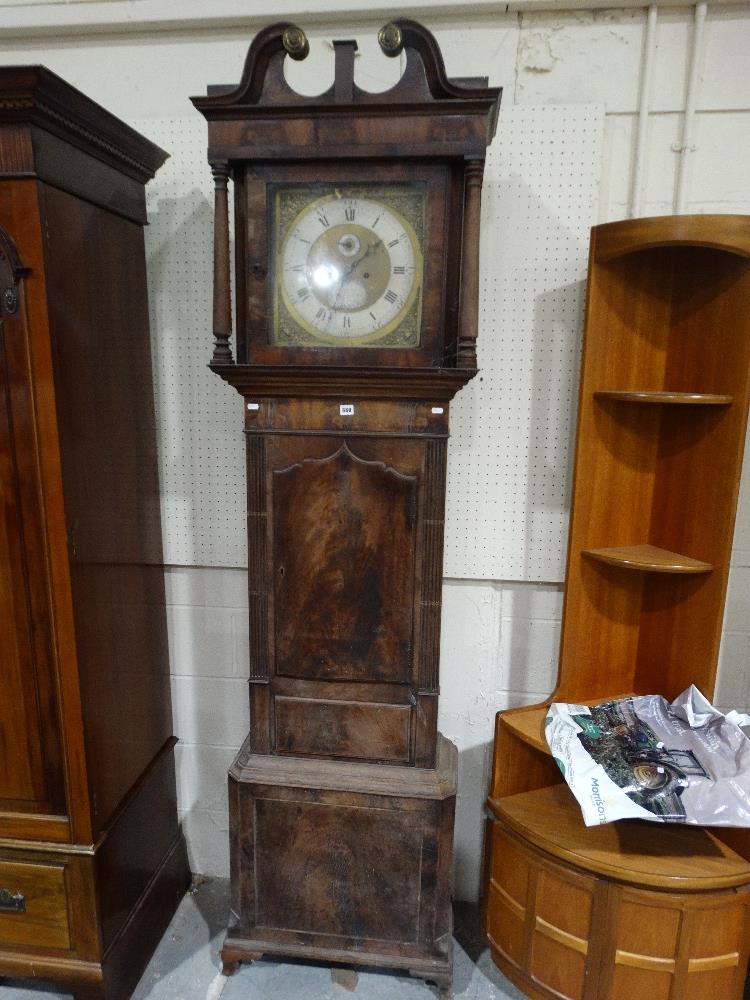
<point>199,417</point>
<point>511,432</point>
<point>512,427</point>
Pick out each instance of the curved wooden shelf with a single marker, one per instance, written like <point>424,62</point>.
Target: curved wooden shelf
<point>648,559</point>
<point>669,398</point>
<point>663,856</point>
<point>730,233</point>
<point>527,724</point>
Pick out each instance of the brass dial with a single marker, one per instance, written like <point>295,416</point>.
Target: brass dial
<point>348,270</point>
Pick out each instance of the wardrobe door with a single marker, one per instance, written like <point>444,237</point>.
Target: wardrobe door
<point>30,757</point>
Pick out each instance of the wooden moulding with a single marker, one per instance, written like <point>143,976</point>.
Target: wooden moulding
<point>35,95</point>
<point>730,233</point>
<point>438,384</point>
<point>369,779</point>
<point>263,112</point>
<point>55,133</point>
<point>647,559</point>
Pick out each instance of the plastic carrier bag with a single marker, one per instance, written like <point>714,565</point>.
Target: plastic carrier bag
<point>644,758</point>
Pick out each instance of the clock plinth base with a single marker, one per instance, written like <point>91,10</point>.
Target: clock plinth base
<point>343,863</point>
<point>239,949</point>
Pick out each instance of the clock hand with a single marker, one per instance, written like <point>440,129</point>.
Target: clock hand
<point>371,247</point>
<point>350,268</point>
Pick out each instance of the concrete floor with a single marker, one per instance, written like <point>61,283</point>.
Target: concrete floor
<point>186,966</point>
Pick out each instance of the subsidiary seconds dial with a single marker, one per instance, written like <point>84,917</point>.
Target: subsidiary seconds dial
<point>349,269</point>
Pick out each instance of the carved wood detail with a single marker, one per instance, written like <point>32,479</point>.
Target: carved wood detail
<point>222,281</point>
<point>432,566</point>
<point>34,93</point>
<point>11,272</point>
<point>257,534</point>
<point>469,318</point>
<point>263,83</point>
<point>426,384</point>
<point>16,150</point>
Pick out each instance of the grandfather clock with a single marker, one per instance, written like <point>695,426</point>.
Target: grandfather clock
<point>357,245</point>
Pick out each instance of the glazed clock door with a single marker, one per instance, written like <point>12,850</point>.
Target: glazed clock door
<point>347,267</point>
<point>344,264</point>
<point>30,768</point>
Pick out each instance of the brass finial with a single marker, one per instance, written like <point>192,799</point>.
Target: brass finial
<point>295,42</point>
<point>390,39</point>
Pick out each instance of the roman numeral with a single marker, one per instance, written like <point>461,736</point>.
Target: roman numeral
<point>399,269</point>
<point>391,296</point>
<point>346,322</point>
<point>373,317</point>
<point>394,243</point>
<point>372,226</point>
<point>296,267</point>
<point>298,236</point>
<point>323,220</point>
<point>349,214</point>
<point>303,293</point>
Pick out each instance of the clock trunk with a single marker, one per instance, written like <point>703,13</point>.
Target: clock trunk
<point>345,522</point>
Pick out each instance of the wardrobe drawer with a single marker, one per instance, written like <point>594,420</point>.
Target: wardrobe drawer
<point>34,905</point>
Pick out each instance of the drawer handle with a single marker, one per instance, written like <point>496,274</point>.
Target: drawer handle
<point>12,902</point>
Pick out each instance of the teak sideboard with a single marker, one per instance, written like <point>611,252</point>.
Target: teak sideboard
<point>92,859</point>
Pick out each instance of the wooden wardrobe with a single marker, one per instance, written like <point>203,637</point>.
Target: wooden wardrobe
<point>92,859</point>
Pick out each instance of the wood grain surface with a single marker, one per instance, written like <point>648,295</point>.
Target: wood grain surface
<point>346,862</point>
<point>557,931</point>
<point>344,546</point>
<point>647,559</point>
<point>665,856</point>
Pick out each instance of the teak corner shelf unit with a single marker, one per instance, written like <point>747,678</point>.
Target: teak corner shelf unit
<point>92,858</point>
<point>636,909</point>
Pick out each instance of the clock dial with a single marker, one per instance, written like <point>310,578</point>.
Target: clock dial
<point>348,270</point>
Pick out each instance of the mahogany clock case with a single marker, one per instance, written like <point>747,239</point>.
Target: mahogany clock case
<point>342,798</point>
<point>92,858</point>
